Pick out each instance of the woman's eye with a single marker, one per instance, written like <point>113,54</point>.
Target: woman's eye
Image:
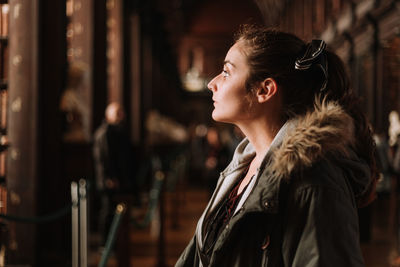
<point>225,73</point>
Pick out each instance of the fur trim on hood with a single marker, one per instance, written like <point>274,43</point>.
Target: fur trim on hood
<point>305,140</point>
<point>326,129</point>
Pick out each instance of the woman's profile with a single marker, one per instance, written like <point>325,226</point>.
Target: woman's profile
<point>289,196</point>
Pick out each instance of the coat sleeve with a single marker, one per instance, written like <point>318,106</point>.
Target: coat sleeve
<point>187,258</point>
<point>321,229</point>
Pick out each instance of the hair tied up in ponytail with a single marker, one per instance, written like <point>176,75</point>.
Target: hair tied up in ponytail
<point>314,56</point>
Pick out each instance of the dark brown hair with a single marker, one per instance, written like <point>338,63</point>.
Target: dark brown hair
<point>272,53</point>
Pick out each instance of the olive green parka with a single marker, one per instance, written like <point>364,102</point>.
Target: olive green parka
<point>300,209</point>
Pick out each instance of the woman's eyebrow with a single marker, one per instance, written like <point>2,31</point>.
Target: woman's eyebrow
<point>230,63</point>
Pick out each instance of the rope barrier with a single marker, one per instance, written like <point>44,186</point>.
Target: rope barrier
<point>45,218</point>
<point>178,162</point>
<point>154,196</point>
<point>178,168</point>
<point>42,219</point>
<point>120,210</point>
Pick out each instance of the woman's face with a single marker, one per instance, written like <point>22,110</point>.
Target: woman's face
<point>230,97</point>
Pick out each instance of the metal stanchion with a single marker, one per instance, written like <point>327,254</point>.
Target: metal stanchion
<point>161,234</point>
<point>79,224</point>
<point>75,224</point>
<point>119,212</point>
<point>83,222</point>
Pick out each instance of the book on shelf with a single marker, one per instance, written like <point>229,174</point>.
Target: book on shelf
<point>4,11</point>
<point>3,199</point>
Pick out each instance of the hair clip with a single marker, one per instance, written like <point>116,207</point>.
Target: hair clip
<point>314,56</point>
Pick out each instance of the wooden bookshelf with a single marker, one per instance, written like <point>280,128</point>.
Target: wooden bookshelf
<point>4,26</point>
<point>4,48</point>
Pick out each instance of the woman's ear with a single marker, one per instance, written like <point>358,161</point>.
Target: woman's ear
<point>267,89</point>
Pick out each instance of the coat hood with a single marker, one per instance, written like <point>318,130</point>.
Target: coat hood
<point>328,129</point>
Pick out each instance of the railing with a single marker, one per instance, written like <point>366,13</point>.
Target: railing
<point>79,224</point>
<point>79,212</point>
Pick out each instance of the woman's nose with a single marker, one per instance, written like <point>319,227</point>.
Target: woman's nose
<point>211,85</point>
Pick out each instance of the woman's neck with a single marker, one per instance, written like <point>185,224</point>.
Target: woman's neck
<point>260,134</point>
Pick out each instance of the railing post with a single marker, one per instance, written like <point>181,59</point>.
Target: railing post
<point>161,233</point>
<point>119,212</point>
<point>122,243</point>
<point>83,222</point>
<point>75,224</point>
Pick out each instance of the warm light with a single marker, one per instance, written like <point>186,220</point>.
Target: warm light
<point>193,81</point>
<point>70,33</point>
<point>70,52</point>
<point>78,6</point>
<point>111,23</point>
<point>5,8</point>
<point>69,8</point>
<point>110,36</point>
<point>110,53</point>
<point>110,4</point>
<point>78,28</point>
<point>4,21</point>
<point>78,52</point>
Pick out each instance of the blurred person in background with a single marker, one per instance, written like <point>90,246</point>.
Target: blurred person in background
<point>113,164</point>
<point>72,106</point>
<point>290,195</point>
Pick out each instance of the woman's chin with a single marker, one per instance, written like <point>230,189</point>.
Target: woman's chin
<point>216,116</point>
<point>219,118</point>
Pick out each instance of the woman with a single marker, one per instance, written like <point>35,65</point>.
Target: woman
<point>289,197</point>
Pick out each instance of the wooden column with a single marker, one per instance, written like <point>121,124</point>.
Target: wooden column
<point>319,19</point>
<point>136,96</point>
<point>52,188</point>
<point>115,50</point>
<point>299,18</point>
<point>23,131</point>
<point>99,63</point>
<point>308,19</point>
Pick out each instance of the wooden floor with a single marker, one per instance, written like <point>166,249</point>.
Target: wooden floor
<point>381,250</point>
<point>179,228</point>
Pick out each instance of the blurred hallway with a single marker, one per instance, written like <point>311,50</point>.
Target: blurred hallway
<point>378,252</point>
<point>62,62</point>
